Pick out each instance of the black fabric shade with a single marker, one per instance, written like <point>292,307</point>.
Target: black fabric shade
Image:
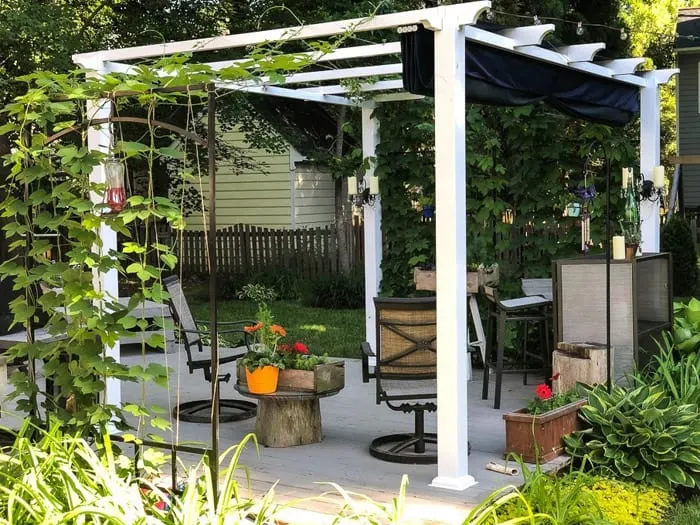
<point>495,76</point>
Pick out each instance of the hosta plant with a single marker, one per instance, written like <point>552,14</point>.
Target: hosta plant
<point>641,435</point>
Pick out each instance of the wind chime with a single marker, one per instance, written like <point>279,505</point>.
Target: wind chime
<point>585,194</point>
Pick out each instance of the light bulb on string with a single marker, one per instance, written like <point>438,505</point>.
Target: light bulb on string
<point>536,20</point>
<point>579,29</point>
<point>489,14</point>
<point>623,34</point>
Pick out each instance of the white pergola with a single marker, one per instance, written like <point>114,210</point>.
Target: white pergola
<point>453,26</point>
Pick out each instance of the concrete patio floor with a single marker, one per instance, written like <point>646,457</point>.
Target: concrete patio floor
<point>351,420</point>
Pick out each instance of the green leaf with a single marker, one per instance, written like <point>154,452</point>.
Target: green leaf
<point>674,473</point>
<point>663,444</point>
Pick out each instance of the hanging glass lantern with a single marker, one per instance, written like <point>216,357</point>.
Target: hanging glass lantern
<point>115,194</point>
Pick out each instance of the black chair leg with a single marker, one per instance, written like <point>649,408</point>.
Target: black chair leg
<point>420,432</point>
<point>499,358</point>
<point>488,354</point>
<point>525,326</point>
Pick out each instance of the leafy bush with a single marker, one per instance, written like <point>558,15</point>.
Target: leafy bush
<point>685,513</point>
<point>677,238</point>
<point>629,504</point>
<point>258,293</point>
<point>686,326</point>
<point>336,292</point>
<point>640,435</point>
<point>284,282</point>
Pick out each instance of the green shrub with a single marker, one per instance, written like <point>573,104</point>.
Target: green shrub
<point>335,292</point>
<point>686,326</point>
<point>677,238</point>
<point>258,293</point>
<point>629,504</point>
<point>685,513</point>
<point>284,282</point>
<point>640,435</point>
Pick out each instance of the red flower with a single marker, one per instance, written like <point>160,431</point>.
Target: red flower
<point>555,377</point>
<point>300,348</point>
<point>543,392</point>
<point>284,347</point>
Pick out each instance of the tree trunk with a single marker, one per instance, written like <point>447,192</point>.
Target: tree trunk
<point>343,207</point>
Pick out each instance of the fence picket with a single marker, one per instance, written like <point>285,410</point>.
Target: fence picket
<point>242,248</point>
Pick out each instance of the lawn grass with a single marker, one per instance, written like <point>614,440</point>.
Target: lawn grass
<point>687,513</point>
<point>335,332</point>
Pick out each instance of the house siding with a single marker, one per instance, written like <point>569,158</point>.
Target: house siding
<point>259,196</point>
<point>689,124</point>
<point>314,196</point>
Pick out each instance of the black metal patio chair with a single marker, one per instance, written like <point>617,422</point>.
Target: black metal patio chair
<point>199,358</point>
<point>405,374</point>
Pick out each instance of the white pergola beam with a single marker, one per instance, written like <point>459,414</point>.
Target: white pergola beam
<point>543,54</point>
<point>340,74</point>
<point>461,13</point>
<point>293,93</point>
<point>581,52</point>
<point>382,85</point>
<point>396,97</point>
<point>528,35</point>
<point>623,66</point>
<point>592,68</point>
<point>488,38</point>
<point>343,53</point>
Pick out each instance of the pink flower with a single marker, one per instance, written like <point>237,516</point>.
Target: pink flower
<point>543,392</point>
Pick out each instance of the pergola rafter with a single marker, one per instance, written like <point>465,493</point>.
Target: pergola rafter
<point>453,27</point>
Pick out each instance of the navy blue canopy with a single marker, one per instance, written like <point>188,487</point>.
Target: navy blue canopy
<point>498,77</point>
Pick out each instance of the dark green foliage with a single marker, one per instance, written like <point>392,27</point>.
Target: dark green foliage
<point>641,434</point>
<point>677,238</point>
<point>335,291</point>
<point>285,283</point>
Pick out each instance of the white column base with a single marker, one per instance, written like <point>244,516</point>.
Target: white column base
<point>450,483</point>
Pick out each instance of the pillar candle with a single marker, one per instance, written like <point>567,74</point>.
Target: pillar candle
<point>618,247</point>
<point>625,177</point>
<point>659,178</point>
<point>352,185</point>
<point>374,185</point>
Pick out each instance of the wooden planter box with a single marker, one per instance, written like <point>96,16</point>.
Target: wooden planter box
<point>425,280</point>
<point>323,378</point>
<point>524,432</point>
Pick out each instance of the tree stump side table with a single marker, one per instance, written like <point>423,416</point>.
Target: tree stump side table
<point>287,419</point>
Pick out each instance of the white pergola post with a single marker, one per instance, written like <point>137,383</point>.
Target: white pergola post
<point>99,138</point>
<point>650,152</point>
<point>451,258</point>
<point>372,226</point>
<point>650,156</point>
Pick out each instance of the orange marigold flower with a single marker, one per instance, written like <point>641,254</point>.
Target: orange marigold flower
<point>278,330</point>
<point>250,329</point>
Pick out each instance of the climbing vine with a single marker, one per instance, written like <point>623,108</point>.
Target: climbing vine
<point>49,193</point>
<point>525,160</point>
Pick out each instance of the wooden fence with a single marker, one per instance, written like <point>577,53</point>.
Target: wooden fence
<point>244,248</point>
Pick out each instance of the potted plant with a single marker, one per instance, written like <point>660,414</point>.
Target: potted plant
<point>290,367</point>
<point>263,362</point>
<point>535,433</point>
<point>633,236</point>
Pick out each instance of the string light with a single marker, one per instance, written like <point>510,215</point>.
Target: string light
<point>537,20</point>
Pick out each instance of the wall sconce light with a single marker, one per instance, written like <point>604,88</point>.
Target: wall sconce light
<point>652,190</point>
<point>359,194</point>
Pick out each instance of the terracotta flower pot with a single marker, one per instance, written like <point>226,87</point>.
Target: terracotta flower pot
<point>262,380</point>
<point>526,433</point>
<point>630,251</point>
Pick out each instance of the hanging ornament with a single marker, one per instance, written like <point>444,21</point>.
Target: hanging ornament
<point>115,194</point>
<point>585,194</point>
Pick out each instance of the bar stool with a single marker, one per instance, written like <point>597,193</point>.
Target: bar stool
<point>530,309</point>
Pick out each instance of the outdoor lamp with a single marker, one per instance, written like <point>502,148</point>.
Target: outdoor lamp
<point>115,194</point>
<point>360,194</point>
<point>652,190</point>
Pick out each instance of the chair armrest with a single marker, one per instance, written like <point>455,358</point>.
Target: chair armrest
<point>224,323</point>
<point>366,354</point>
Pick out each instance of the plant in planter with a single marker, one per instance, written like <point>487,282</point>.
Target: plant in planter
<point>633,236</point>
<point>306,372</point>
<point>535,433</point>
<point>263,362</point>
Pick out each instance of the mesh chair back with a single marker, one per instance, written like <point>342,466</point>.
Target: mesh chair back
<point>181,312</point>
<point>406,338</point>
